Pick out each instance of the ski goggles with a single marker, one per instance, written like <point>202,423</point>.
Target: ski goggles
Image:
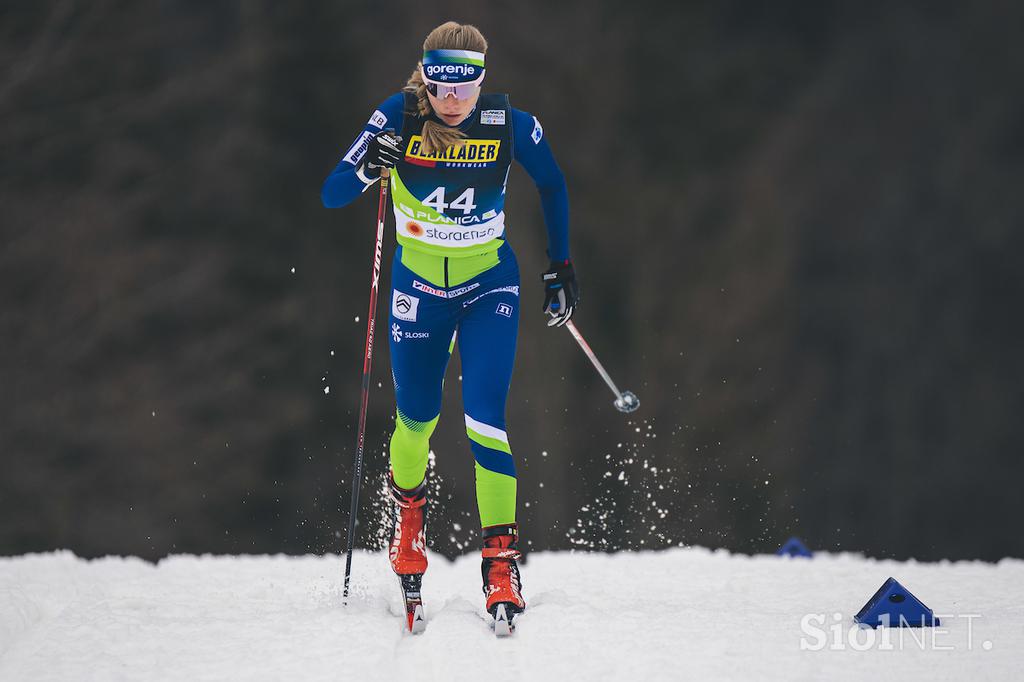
<point>459,91</point>
<point>452,72</point>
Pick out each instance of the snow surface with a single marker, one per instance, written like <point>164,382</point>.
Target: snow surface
<point>676,614</point>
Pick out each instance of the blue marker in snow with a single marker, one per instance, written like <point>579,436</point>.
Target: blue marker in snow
<point>794,547</point>
<point>894,606</point>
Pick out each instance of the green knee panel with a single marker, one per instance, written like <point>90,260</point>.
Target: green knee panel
<point>495,497</point>
<point>410,444</point>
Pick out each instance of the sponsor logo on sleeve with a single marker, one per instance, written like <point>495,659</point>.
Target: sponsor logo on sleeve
<point>396,332</point>
<point>355,153</point>
<point>377,119</point>
<point>538,132</point>
<point>504,309</point>
<point>492,117</point>
<point>404,306</point>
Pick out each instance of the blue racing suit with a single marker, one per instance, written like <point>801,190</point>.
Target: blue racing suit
<point>455,278</point>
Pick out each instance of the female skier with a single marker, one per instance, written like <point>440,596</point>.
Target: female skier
<point>454,276</point>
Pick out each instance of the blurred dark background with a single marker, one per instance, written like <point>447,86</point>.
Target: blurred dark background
<point>797,227</point>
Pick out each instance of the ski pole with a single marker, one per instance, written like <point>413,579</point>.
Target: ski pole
<point>625,401</point>
<point>371,318</point>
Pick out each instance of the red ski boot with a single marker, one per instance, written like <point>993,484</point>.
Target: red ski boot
<point>408,548</point>
<point>500,572</point>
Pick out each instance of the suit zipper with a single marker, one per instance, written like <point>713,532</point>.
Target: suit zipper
<point>446,272</point>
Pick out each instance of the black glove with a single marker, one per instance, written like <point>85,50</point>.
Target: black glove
<point>561,293</point>
<point>384,152</point>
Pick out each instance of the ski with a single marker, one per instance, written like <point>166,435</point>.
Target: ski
<point>503,621</point>
<point>414,620</point>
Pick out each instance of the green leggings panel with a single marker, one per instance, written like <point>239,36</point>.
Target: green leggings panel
<point>410,444</point>
<point>495,497</point>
